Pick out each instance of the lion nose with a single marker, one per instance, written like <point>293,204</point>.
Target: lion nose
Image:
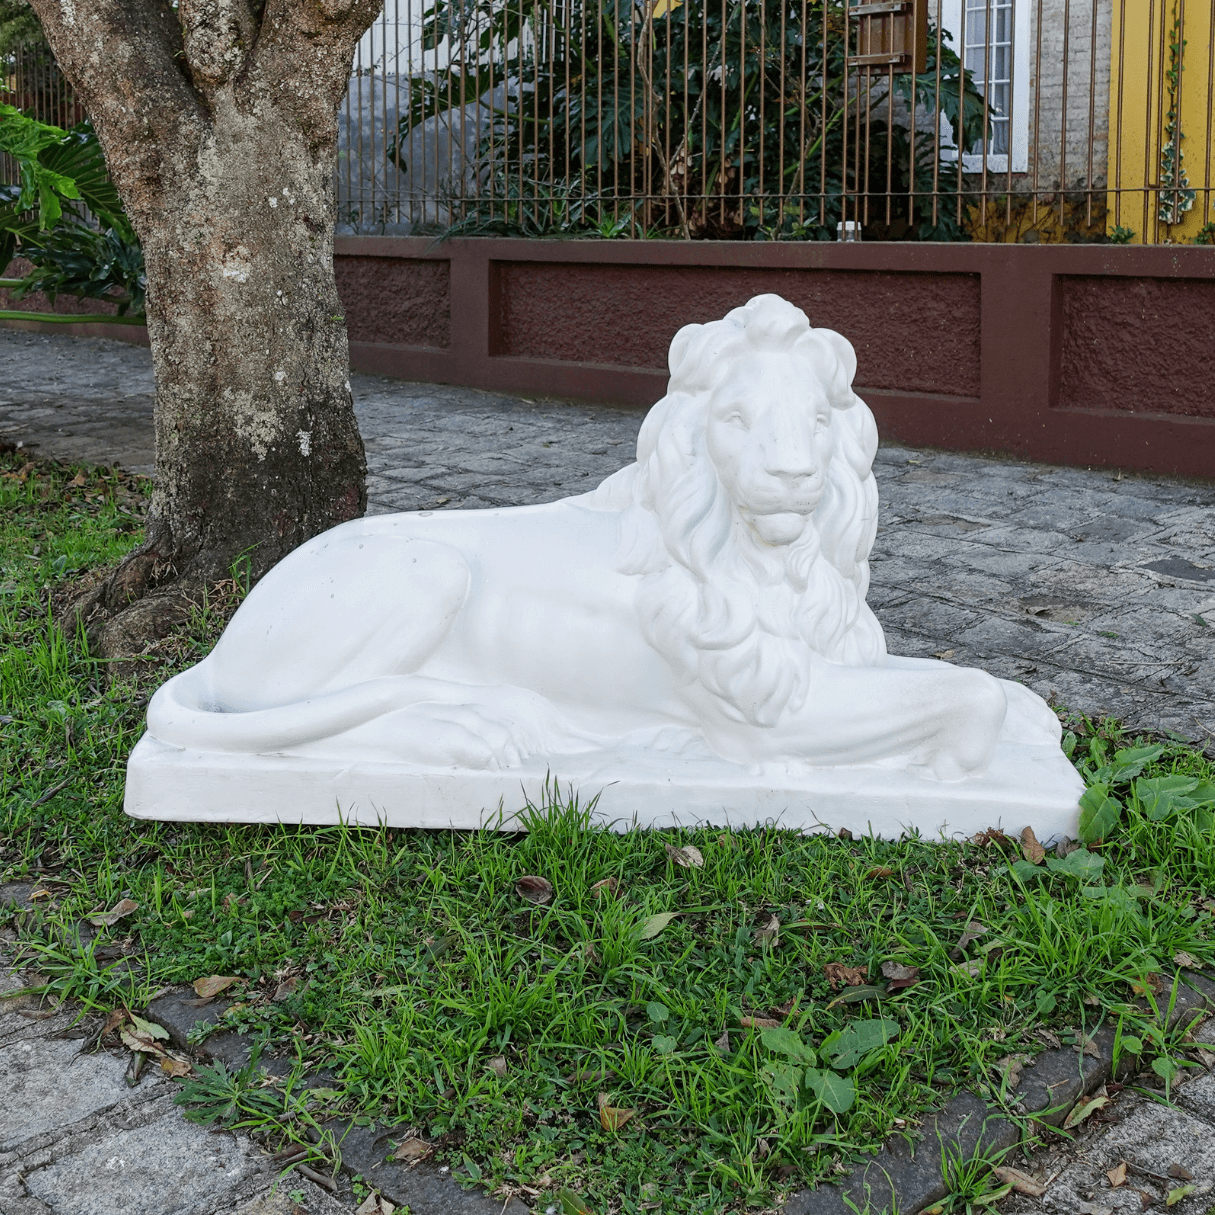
<point>791,461</point>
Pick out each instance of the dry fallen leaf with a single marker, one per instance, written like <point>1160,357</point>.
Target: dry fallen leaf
<point>1011,1066</point>
<point>943,655</point>
<point>285,988</point>
<point>839,975</point>
<point>1117,1175</point>
<point>1082,1109</point>
<point>375,1204</point>
<point>1151,983</point>
<point>970,969</point>
<point>534,889</point>
<point>769,934</point>
<point>723,1043</point>
<point>1023,1183</point>
<point>1087,1046</point>
<point>992,835</point>
<point>108,918</point>
<point>612,1117</point>
<point>174,1068</point>
<point>1183,959</point>
<point>900,976</point>
<point>758,1023</point>
<point>686,857</point>
<point>412,1150</point>
<point>880,871</point>
<point>606,886</point>
<point>497,1065</point>
<point>1030,848</point>
<point>974,930</point>
<point>212,985</point>
<point>1179,1172</point>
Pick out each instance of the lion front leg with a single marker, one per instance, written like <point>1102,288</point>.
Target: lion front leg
<point>943,721</point>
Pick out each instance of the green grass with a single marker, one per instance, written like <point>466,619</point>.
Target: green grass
<point>406,961</point>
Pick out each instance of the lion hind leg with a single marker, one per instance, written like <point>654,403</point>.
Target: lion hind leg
<point>346,608</point>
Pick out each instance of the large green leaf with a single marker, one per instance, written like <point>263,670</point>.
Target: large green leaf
<point>786,1042</point>
<point>1080,864</point>
<point>1099,814</point>
<point>836,1092</point>
<point>848,1047</point>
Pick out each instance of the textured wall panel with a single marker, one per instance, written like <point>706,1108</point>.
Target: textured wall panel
<point>912,332</point>
<point>396,299</point>
<point>1140,345</point>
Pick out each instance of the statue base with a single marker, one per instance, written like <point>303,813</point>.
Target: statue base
<point>1032,785</point>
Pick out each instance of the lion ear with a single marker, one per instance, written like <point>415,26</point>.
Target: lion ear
<point>679,346</point>
<point>841,347</point>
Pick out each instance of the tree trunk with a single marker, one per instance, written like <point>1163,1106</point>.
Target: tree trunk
<point>219,123</point>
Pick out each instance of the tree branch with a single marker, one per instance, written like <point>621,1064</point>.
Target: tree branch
<point>122,58</point>
<point>217,36</point>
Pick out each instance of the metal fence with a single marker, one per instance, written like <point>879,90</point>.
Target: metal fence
<point>993,120</point>
<point>31,81</point>
<point>1030,120</point>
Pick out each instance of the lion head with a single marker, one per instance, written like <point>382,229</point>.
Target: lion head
<point>752,508</point>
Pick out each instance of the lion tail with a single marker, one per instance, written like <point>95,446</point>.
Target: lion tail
<point>183,713</point>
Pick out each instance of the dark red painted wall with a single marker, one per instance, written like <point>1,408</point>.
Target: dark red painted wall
<point>390,299</point>
<point>912,332</point>
<point>1143,345</point>
<point>1090,355</point>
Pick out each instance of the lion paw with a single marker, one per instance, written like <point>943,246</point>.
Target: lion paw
<point>462,736</point>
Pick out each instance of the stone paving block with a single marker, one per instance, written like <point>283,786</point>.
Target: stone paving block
<point>162,1168</point>
<point>47,1083</point>
<point>1155,1138</point>
<point>425,1189</point>
<point>293,1195</point>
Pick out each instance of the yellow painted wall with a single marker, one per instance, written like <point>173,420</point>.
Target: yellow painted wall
<point>1139,103</point>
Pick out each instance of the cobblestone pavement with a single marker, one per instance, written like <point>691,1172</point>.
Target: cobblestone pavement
<point>1090,587</point>
<point>1093,587</point>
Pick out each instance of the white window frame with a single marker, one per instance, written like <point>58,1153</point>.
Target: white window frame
<point>1018,119</point>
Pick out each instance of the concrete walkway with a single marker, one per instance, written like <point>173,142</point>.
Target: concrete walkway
<point>1087,586</point>
<point>1094,588</point>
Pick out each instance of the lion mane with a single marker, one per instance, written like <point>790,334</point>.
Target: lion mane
<point>743,619</point>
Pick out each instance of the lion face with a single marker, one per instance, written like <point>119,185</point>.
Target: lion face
<point>768,433</point>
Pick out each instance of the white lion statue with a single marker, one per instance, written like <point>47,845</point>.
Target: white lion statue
<point>708,599</point>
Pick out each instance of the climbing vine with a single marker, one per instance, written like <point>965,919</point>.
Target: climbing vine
<point>1176,197</point>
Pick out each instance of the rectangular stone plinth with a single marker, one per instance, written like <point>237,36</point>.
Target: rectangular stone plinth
<point>1025,785</point>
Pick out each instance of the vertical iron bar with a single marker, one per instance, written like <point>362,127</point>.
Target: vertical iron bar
<point>780,147</point>
<point>989,35</point>
<point>1092,112</point>
<point>961,105</point>
<point>1149,170</point>
<point>742,110</point>
<point>1118,127</point>
<point>822,144</point>
<point>1210,107</point>
<point>803,105</point>
<point>1067,27</point>
<point>1011,108</point>
<point>915,80</point>
<point>844,122</point>
<point>1037,106</point>
<point>890,131</point>
<point>936,122</point>
<point>760,88</point>
<point>868,132</point>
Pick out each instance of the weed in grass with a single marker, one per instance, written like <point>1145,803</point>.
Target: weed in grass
<point>505,1030</point>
